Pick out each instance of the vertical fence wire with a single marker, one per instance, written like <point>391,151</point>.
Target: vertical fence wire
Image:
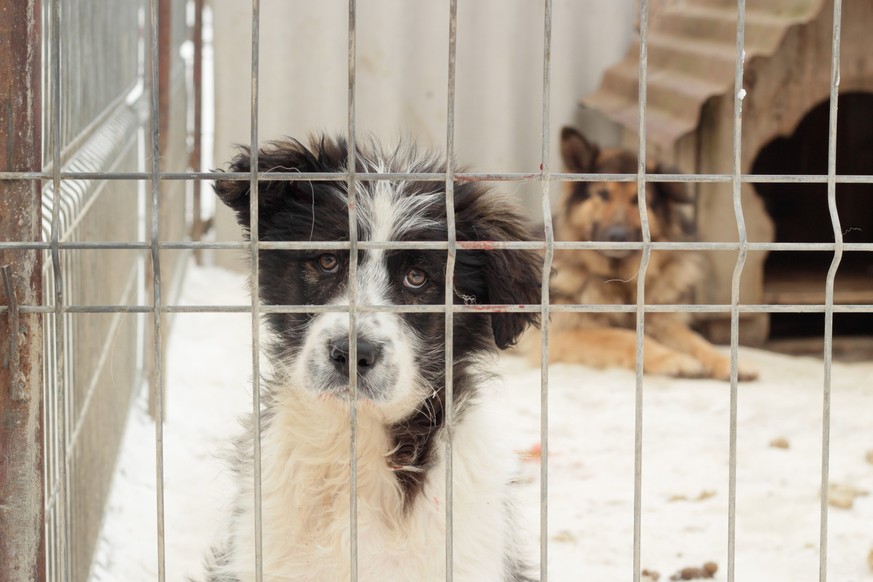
<point>641,288</point>
<point>158,384</point>
<point>829,288</point>
<point>549,235</point>
<point>739,95</point>
<point>451,239</point>
<point>255,295</point>
<point>353,298</point>
<point>62,506</point>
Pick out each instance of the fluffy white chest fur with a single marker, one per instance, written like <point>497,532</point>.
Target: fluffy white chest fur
<point>306,499</point>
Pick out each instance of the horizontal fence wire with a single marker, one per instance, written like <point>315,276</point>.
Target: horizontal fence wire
<point>458,177</point>
<point>437,245</point>
<point>486,308</point>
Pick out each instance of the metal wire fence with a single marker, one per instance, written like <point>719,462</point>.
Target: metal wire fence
<point>55,175</point>
<point>90,95</point>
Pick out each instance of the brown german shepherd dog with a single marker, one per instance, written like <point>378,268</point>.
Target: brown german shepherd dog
<point>608,211</point>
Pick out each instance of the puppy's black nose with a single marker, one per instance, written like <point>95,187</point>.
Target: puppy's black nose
<point>368,355</point>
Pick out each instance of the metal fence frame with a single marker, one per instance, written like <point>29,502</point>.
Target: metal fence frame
<point>155,177</point>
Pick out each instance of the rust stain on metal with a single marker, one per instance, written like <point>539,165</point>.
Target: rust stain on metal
<point>165,32</point>
<point>484,245</point>
<point>491,308</point>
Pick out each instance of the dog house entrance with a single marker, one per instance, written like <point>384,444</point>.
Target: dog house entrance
<point>800,214</point>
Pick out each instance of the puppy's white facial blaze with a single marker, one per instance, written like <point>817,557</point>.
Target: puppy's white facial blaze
<point>391,383</point>
<point>390,214</point>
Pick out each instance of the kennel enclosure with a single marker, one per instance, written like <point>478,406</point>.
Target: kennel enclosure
<point>105,147</point>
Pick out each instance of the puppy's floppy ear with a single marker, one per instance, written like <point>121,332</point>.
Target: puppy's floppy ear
<point>280,156</point>
<point>578,153</point>
<point>513,278</point>
<point>501,277</point>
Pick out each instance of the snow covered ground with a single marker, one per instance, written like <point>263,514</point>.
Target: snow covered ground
<point>591,462</point>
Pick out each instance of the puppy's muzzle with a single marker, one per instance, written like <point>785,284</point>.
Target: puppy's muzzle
<point>368,355</point>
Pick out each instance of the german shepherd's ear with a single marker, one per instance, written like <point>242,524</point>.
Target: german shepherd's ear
<point>579,154</point>
<point>672,192</point>
<point>280,156</point>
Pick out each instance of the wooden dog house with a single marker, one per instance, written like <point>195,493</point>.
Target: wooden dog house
<point>690,109</point>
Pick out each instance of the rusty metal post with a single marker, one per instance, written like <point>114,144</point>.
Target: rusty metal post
<point>22,540</point>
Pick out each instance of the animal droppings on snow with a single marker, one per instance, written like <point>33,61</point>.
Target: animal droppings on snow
<point>869,457</point>
<point>564,536</point>
<point>649,576</point>
<point>702,496</point>
<point>779,443</point>
<point>870,559</point>
<point>707,571</point>
<point>843,496</point>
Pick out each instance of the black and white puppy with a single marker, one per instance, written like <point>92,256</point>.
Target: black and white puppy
<point>401,433</point>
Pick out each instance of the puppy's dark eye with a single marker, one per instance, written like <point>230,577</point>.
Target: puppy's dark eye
<point>328,263</point>
<point>604,194</point>
<point>415,278</point>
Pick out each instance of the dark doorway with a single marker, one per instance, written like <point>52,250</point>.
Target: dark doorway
<point>800,214</point>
